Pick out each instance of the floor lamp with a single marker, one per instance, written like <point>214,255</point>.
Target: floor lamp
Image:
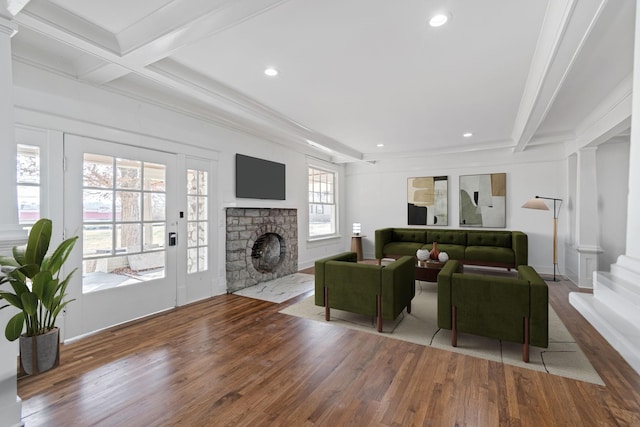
<point>538,203</point>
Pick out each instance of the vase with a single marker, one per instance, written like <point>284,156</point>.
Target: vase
<point>434,252</point>
<point>423,254</point>
<point>41,352</point>
<point>443,257</point>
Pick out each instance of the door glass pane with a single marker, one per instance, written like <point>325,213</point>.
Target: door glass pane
<point>154,207</point>
<point>154,179</point>
<point>124,222</point>
<point>28,204</point>
<point>97,171</point>
<point>97,205</point>
<point>97,240</point>
<point>127,206</point>
<point>129,175</point>
<point>197,225</point>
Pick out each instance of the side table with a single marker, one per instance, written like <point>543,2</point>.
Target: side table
<point>356,245</point>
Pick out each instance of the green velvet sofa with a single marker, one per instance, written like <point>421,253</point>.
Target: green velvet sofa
<point>494,248</point>
<point>382,292</point>
<point>514,309</point>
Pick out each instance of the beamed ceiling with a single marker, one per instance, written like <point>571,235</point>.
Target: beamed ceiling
<point>353,74</point>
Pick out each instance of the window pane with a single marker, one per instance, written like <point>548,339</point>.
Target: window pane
<point>192,181</point>
<point>154,207</point>
<point>202,233</point>
<point>192,208</point>
<point>154,236</point>
<point>28,164</point>
<point>97,240</point>
<point>192,233</point>
<point>202,208</point>
<point>97,171</point>
<point>97,205</point>
<point>203,259</point>
<point>127,206</point>
<point>154,177</point>
<point>128,238</point>
<point>128,174</point>
<point>192,260</point>
<point>202,183</point>
<point>28,204</point>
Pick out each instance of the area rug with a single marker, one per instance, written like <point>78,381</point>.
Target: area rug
<point>563,357</point>
<point>280,289</point>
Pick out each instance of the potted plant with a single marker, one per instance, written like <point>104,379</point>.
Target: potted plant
<point>37,290</point>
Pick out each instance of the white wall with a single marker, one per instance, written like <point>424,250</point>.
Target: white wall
<point>377,194</point>
<point>52,102</point>
<point>613,189</point>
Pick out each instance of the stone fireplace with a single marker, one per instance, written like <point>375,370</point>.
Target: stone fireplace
<point>262,245</point>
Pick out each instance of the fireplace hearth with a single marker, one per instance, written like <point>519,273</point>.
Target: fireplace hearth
<point>262,245</point>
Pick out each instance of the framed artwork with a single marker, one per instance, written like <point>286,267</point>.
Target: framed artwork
<point>427,199</point>
<point>483,200</point>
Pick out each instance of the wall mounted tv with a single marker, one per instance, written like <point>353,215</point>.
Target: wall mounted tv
<point>259,179</point>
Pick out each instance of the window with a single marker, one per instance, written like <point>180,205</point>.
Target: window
<point>322,203</point>
<point>28,180</point>
<point>197,217</point>
<point>124,221</point>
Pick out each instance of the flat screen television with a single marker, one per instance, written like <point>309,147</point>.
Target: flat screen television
<point>259,179</point>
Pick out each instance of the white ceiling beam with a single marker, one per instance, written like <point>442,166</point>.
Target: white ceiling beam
<point>566,28</point>
<point>103,64</point>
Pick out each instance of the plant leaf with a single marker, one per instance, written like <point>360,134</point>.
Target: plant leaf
<point>18,254</point>
<point>12,299</point>
<point>38,243</point>
<point>14,327</point>
<point>59,256</point>
<point>29,303</point>
<point>40,283</point>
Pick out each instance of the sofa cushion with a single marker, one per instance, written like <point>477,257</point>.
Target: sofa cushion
<point>454,251</point>
<point>489,254</point>
<point>492,238</point>
<point>453,237</point>
<point>402,248</point>
<point>408,235</point>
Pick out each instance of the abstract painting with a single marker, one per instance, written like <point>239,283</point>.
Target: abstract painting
<point>483,200</point>
<point>427,200</point>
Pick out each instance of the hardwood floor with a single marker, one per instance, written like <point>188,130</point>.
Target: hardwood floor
<point>231,361</point>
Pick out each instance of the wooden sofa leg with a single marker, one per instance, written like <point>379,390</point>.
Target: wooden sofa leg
<point>326,305</point>
<point>409,307</point>
<point>525,346</point>
<point>454,327</point>
<point>379,261</point>
<point>379,310</point>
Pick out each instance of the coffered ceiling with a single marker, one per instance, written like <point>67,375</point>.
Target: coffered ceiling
<point>353,74</point>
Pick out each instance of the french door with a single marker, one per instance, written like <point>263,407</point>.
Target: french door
<point>120,200</point>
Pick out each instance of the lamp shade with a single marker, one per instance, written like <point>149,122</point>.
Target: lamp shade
<point>357,228</point>
<point>536,203</point>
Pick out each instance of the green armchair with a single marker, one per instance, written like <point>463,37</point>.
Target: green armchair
<point>513,309</point>
<point>379,291</point>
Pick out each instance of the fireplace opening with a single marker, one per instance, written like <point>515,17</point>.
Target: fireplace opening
<point>267,252</point>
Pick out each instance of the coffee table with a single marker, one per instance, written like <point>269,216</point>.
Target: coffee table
<point>429,272</point>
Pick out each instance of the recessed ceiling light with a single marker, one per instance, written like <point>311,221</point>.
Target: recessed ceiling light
<point>467,135</point>
<point>380,145</point>
<point>271,72</point>
<point>439,19</point>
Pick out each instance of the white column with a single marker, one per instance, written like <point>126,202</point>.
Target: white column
<point>587,220</point>
<point>10,233</point>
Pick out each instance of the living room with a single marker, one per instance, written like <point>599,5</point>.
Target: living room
<point>589,168</point>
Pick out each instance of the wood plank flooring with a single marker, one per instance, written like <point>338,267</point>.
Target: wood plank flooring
<point>235,361</point>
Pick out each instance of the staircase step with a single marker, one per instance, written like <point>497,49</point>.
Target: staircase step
<point>622,333</point>
<point>626,272</point>
<point>619,294</point>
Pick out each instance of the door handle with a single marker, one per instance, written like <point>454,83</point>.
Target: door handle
<point>173,239</point>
